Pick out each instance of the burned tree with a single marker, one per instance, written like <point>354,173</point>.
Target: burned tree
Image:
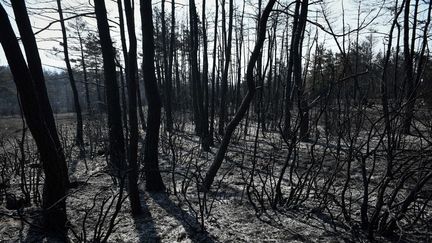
<point>167,54</point>
<point>79,127</point>
<point>52,159</point>
<point>224,82</point>
<point>151,162</point>
<point>218,159</point>
<point>133,119</point>
<point>36,71</point>
<point>201,116</point>
<point>115,129</point>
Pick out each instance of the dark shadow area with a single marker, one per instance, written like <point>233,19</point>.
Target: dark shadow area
<point>145,225</point>
<point>36,233</point>
<point>189,223</point>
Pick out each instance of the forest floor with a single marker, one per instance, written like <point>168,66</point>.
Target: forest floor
<point>175,217</point>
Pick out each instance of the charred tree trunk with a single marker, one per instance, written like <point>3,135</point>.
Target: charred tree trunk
<point>151,163</point>
<point>299,84</point>
<point>115,130</point>
<point>224,81</point>
<point>409,72</point>
<point>213,81</point>
<point>122,79</point>
<point>168,71</point>
<point>201,119</point>
<point>36,71</point>
<point>52,158</point>
<point>217,162</point>
<point>133,118</point>
<point>79,127</point>
<point>206,139</point>
<point>239,48</point>
<point>288,84</point>
<point>295,72</point>
<point>172,53</point>
<point>194,73</point>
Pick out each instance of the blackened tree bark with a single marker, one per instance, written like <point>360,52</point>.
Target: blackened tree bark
<point>193,60</point>
<point>168,72</point>
<point>297,68</point>
<point>133,119</point>
<point>239,47</point>
<point>115,130</point>
<point>422,62</point>
<point>288,84</point>
<point>202,118</point>
<point>205,136</point>
<point>412,79</point>
<point>217,162</point>
<point>79,127</point>
<point>294,69</point>
<point>259,111</point>
<point>214,70</point>
<point>54,192</point>
<point>36,71</point>
<point>154,180</point>
<point>408,60</point>
<point>172,53</point>
<point>122,81</point>
<point>122,33</point>
<point>224,81</point>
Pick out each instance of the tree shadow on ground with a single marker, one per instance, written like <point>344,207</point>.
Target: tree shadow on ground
<point>189,223</point>
<point>145,225</point>
<point>36,233</point>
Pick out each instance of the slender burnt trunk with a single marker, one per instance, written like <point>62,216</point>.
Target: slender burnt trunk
<point>299,84</point>
<point>205,136</point>
<point>115,130</point>
<point>288,84</point>
<point>168,72</point>
<point>220,154</point>
<point>79,127</point>
<point>172,53</point>
<point>201,120</point>
<point>239,48</point>
<point>408,60</point>
<point>194,73</point>
<point>224,81</point>
<point>133,119</point>
<point>151,163</point>
<point>214,70</point>
<point>123,87</point>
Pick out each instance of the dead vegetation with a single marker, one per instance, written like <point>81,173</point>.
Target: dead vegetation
<point>269,188</point>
